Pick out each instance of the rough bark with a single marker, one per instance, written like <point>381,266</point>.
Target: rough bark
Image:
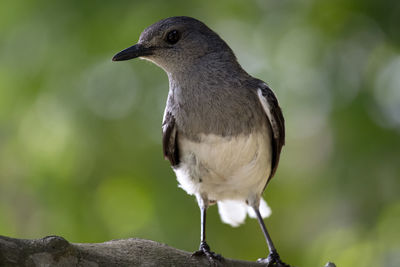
<point>56,251</point>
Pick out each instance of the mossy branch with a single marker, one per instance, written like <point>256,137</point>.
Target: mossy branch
<point>56,251</point>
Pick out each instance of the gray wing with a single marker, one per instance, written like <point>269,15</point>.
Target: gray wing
<point>276,121</point>
<point>170,139</point>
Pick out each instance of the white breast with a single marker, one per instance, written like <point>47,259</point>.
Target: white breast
<point>235,168</point>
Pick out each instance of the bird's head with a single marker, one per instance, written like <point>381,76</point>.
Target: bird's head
<point>176,43</point>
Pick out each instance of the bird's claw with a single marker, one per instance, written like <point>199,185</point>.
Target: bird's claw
<point>273,260</point>
<point>204,250</point>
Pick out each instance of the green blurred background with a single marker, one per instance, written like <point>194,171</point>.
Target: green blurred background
<point>80,136</point>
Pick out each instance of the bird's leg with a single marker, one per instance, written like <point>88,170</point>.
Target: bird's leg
<point>204,248</point>
<point>273,258</point>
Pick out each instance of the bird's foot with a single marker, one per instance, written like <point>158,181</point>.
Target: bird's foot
<point>204,250</point>
<point>273,260</point>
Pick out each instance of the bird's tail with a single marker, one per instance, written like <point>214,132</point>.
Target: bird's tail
<point>234,212</point>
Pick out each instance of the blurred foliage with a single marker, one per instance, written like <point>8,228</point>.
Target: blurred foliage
<point>80,150</point>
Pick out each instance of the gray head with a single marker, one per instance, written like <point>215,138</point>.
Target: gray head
<point>177,43</point>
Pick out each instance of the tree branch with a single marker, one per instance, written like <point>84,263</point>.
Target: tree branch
<point>56,251</point>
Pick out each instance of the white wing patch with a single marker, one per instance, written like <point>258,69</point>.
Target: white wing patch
<point>267,109</point>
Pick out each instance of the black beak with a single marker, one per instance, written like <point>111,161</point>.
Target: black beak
<point>137,50</point>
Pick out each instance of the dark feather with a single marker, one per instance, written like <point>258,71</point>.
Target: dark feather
<point>277,125</point>
<point>170,139</point>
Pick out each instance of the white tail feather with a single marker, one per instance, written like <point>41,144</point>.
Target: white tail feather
<point>234,212</point>
<point>265,210</point>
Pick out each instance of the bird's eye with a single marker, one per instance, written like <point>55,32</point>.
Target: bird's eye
<point>173,37</point>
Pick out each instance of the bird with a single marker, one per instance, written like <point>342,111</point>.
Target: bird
<point>222,131</point>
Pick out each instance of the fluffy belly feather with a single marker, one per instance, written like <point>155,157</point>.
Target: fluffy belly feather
<point>221,168</point>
